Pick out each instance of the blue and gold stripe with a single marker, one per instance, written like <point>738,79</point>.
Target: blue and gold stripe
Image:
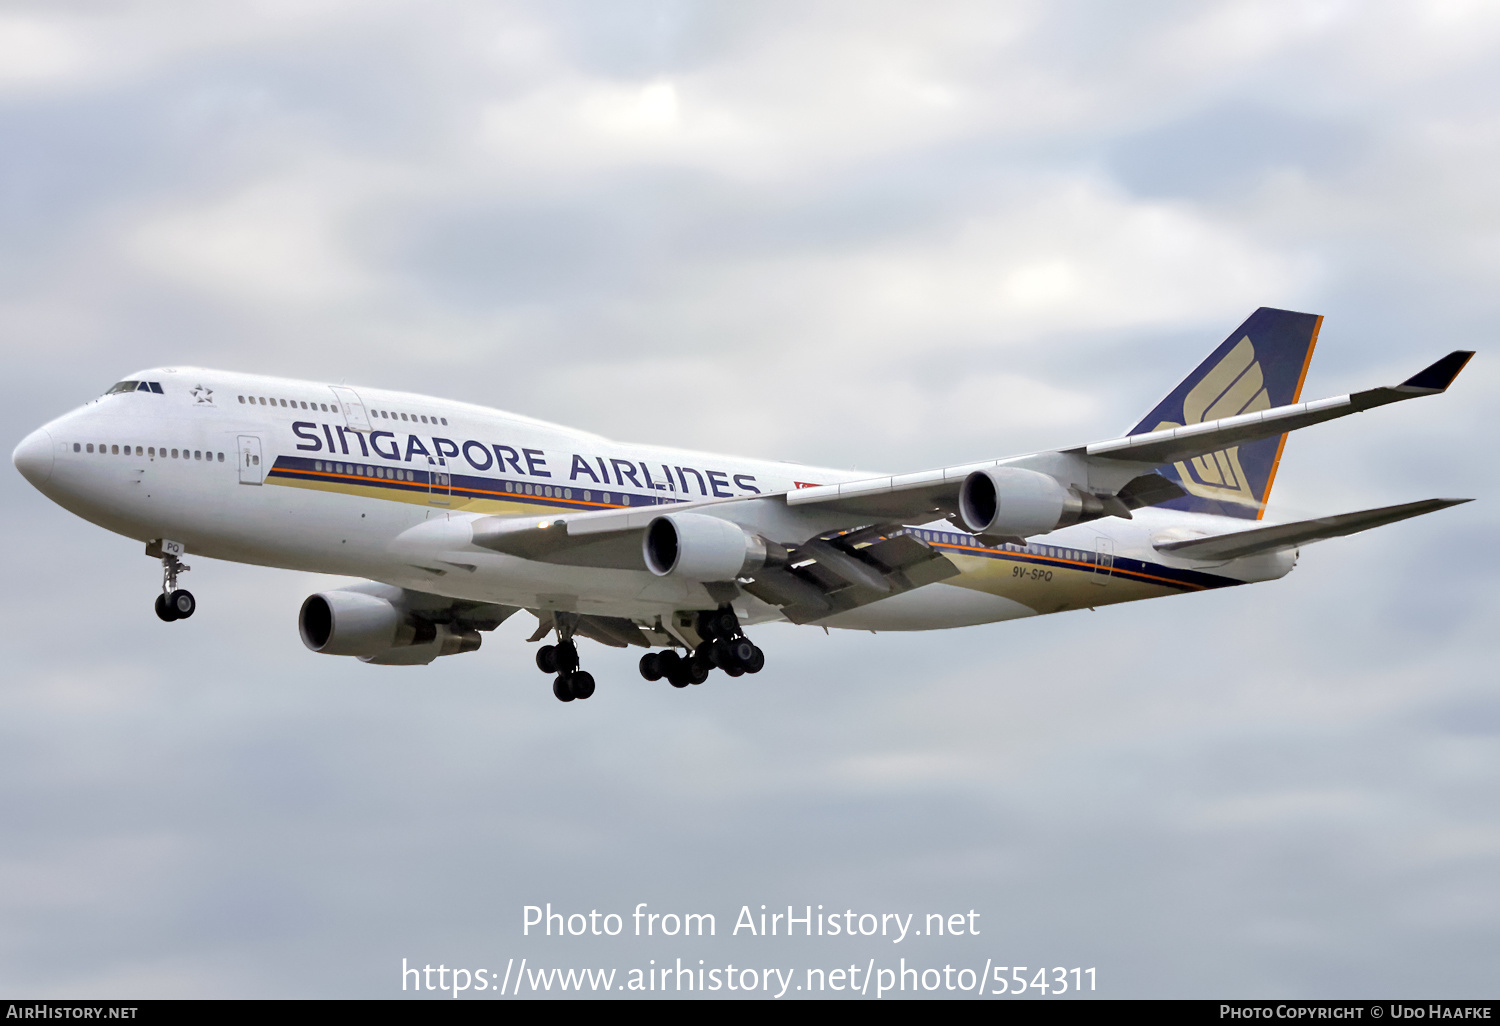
<point>434,486</point>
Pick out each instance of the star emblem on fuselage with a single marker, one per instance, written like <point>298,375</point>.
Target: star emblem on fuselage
<point>203,395</point>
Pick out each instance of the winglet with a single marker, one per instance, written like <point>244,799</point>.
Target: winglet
<point>1440,375</point>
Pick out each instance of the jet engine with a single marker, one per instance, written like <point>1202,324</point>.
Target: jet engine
<point>701,548</point>
<point>377,629</point>
<point>1008,502</point>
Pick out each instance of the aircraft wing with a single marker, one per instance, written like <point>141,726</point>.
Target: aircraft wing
<point>843,545</point>
<point>1119,468</point>
<point>609,539</point>
<point>1286,536</point>
<point>830,572</point>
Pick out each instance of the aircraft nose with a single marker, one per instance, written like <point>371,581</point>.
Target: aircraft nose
<point>33,457</point>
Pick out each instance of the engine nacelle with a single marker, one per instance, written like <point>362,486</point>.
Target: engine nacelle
<point>348,623</point>
<point>1008,502</point>
<point>700,548</point>
<point>377,630</point>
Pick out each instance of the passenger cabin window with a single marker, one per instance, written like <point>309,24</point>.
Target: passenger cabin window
<point>445,422</point>
<point>91,447</point>
<point>242,400</point>
<point>76,447</point>
<point>123,386</point>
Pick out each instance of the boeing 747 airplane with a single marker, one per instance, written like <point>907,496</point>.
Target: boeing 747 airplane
<point>459,516</point>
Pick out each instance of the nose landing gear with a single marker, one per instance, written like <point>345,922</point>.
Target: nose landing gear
<point>173,603</point>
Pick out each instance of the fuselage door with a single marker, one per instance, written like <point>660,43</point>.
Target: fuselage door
<point>439,484</point>
<point>1104,560</point>
<point>354,408</point>
<point>251,472</point>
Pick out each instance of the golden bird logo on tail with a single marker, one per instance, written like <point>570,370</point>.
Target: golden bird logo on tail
<point>1236,385</point>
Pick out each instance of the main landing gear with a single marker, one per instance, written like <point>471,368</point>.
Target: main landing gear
<point>174,603</point>
<point>562,659</point>
<point>724,645</point>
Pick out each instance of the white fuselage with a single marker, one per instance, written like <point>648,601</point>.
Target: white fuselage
<point>384,485</point>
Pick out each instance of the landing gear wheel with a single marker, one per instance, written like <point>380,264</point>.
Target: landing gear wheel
<point>546,659</point>
<point>650,666</point>
<point>734,671</point>
<point>581,684</point>
<point>566,657</point>
<point>182,604</point>
<point>741,651</point>
<point>561,688</point>
<point>163,610</point>
<point>671,666</point>
<point>697,670</point>
<point>756,662</point>
<point>720,654</point>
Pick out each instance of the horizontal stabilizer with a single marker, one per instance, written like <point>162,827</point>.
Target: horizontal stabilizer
<point>1285,536</point>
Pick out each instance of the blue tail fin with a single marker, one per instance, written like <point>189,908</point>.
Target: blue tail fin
<point>1260,365</point>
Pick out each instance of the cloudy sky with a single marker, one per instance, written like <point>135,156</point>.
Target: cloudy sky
<point>859,234</point>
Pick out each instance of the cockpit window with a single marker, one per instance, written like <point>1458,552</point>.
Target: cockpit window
<point>123,386</point>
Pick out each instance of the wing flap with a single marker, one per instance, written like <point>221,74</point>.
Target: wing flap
<point>830,575</point>
<point>1285,536</point>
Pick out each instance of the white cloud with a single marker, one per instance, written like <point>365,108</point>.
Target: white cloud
<point>276,241</point>
<point>36,51</point>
